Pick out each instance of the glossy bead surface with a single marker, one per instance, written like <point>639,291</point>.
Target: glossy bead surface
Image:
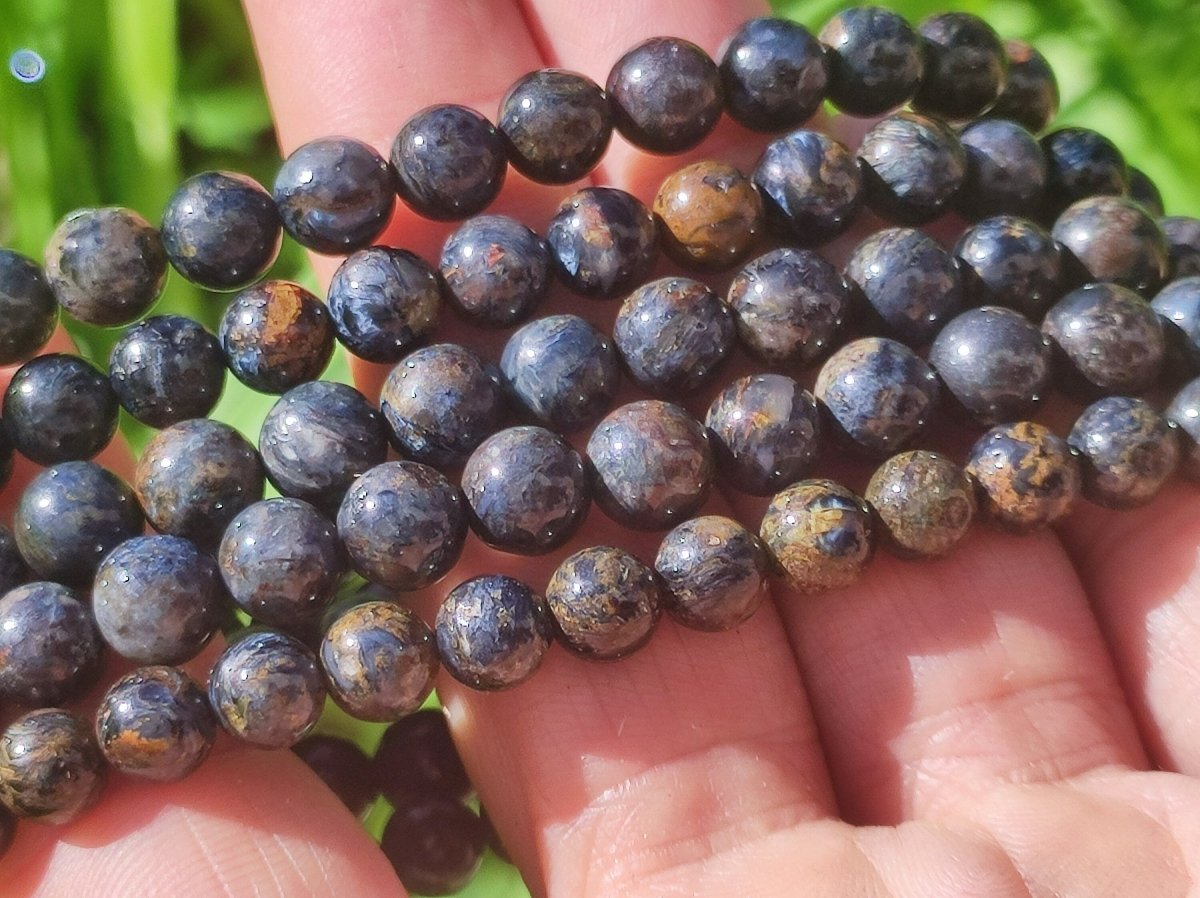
<point>652,465</point>
<point>1081,163</point>
<point>1183,245</point>
<point>342,767</point>
<point>821,535</point>
<point>878,393</point>
<point>876,60</point>
<point>605,603</point>
<point>1026,476</point>
<point>403,525</point>
<point>1030,95</point>
<point>913,166</point>
<point>1184,413</point>
<point>416,757</point>
<point>380,661</point>
<point>666,95</point>
<point>710,215</point>
<point>496,270</point>
<point>49,648</point>
<point>811,186</point>
<point>1112,239</point>
<point>450,162</point>
<point>59,408</point>
<point>673,334</point>
<point>266,689</point>
<point>713,573</point>
<point>1006,170</point>
<point>775,74</point>
<point>557,125</point>
<point>106,266</point>
<point>603,241</point>
<point>435,846</point>
<point>28,309</point>
<point>965,66</point>
<point>167,369</point>
<point>383,302</point>
<point>924,503</point>
<point>492,632</point>
<point>1010,261</point>
<point>1109,338</point>
<point>562,370</point>
<point>275,336</point>
<point>441,402</point>
<point>789,306</point>
<point>335,195</point>
<point>766,432</point>
<point>1145,192</point>
<point>13,570</point>
<point>1178,306</point>
<point>1127,450</point>
<point>905,283</point>
<point>221,230</point>
<point>52,770</point>
<point>527,490</point>
<point>155,724</point>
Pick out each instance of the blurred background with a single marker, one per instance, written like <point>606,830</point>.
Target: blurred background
<point>120,99</point>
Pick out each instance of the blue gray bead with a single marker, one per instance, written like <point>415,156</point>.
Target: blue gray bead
<point>1183,245</point>
<point>603,241</point>
<point>1030,95</point>
<point>606,603</point>
<point>811,186</point>
<point>1127,451</point>
<point>1178,305</point>
<point>50,651</point>
<point>557,125</point>
<point>1010,261</point>
<point>59,408</point>
<point>1184,413</point>
<point>913,166</point>
<point>775,74</point>
<point>876,60</point>
<point>1006,170</point>
<point>965,66</point>
<point>383,302</point>
<point>496,270</point>
<point>713,573</point>
<point>1080,163</point>
<point>28,309</point>
<point>1112,239</point>
<point>167,369</point>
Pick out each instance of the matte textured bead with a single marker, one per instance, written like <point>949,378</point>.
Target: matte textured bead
<point>710,214</point>
<point>1081,163</point>
<point>603,241</point>
<point>913,166</point>
<point>276,335</point>
<point>1183,245</point>
<point>383,302</point>
<point>1006,170</point>
<point>557,125</point>
<point>876,60</point>
<point>1126,449</point>
<point>1026,477</point>
<point>1030,95</point>
<point>775,74</point>
<point>50,651</point>
<point>496,270</point>
<point>417,758</point>
<point>965,66</point>
<point>53,771</point>
<point>605,603</point>
<point>59,408</point>
<point>924,503</point>
<point>1178,307</point>
<point>1184,413</point>
<point>1112,239</point>
<point>811,186</point>
<point>28,309</point>
<point>1010,261</point>
<point>713,573</point>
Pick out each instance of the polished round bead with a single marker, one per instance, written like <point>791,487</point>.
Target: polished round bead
<point>1145,192</point>
<point>775,74</point>
<point>1127,450</point>
<point>1006,170</point>
<point>1026,476</point>
<point>1110,339</point>
<point>710,215</point>
<point>13,570</point>
<point>1030,95</point>
<point>50,651</point>
<point>441,402</point>
<point>342,766</point>
<point>106,266</point>
<point>317,439</point>
<point>70,516</point>
<point>221,230</point>
<point>59,408</point>
<point>1183,245</point>
<point>652,465</point>
<point>924,503</point>
<point>380,661</point>
<point>913,166</point>
<point>878,393</point>
<point>194,476</point>
<point>276,335</point>
<point>605,603</point>
<point>167,369</point>
<point>766,433</point>
<point>666,95</point>
<point>557,125</point>
<point>383,302</point>
<point>1081,163</point>
<point>1184,413</point>
<point>603,241</point>
<point>562,370</point>
<point>876,60</point>
<point>789,306</point>
<point>811,186</point>
<point>1112,239</point>
<point>266,689</point>
<point>1178,306</point>
<point>995,364</point>
<point>416,758</point>
<point>905,283</point>
<point>53,771</point>
<point>965,66</point>
<point>335,195</point>
<point>28,309</point>
<point>435,846</point>
<point>820,533</point>
<point>496,270</point>
<point>492,632</point>
<point>713,573</point>
<point>403,525</point>
<point>527,490</point>
<point>1010,261</point>
<point>450,162</point>
<point>155,724</point>
<point>673,334</point>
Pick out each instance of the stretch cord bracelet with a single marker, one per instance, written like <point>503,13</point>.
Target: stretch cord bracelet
<point>907,327</point>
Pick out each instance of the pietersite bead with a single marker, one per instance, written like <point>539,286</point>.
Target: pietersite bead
<point>434,845</point>
<point>1006,170</point>
<point>924,504</point>
<point>710,215</point>
<point>766,432</point>
<point>913,166</point>
<point>775,74</point>
<point>820,533</point>
<point>1184,413</point>
<point>876,60</point>
<point>789,306</point>
<point>276,335</point>
<point>811,186</point>
<point>1026,476</point>
<point>603,241</point>
<point>416,758</point>
<point>383,302</point>
<point>14,571</point>
<point>496,270</point>
<point>713,573</point>
<point>1127,450</point>
<point>59,408</point>
<point>1030,95</point>
<point>965,66</point>
<point>557,125</point>
<point>605,603</point>
<point>1010,261</point>
<point>28,309</point>
<point>1145,192</point>
<point>1112,239</point>
<point>342,766</point>
<point>1178,306</point>
<point>50,768</point>
<point>673,334</point>
<point>50,651</point>
<point>1183,245</point>
<point>1081,163</point>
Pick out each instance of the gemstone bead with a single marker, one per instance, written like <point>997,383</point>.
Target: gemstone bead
<point>1178,307</point>
<point>876,60</point>
<point>1026,476</point>
<point>557,125</point>
<point>713,573</point>
<point>383,302</point>
<point>1030,95</point>
<point>1010,261</point>
<point>435,846</point>
<point>710,215</point>
<point>1184,413</point>
<point>1183,245</point>
<point>603,241</point>
<point>811,186</point>
<point>1126,449</point>
<point>417,758</point>
<point>342,767</point>
<point>605,603</point>
<point>1112,239</point>
<point>59,408</point>
<point>913,166</point>
<point>496,270</point>
<point>924,504</point>
<point>28,309</point>
<point>49,648</point>
<point>965,66</point>
<point>53,771</point>
<point>1006,170</point>
<point>1145,192</point>
<point>276,335</point>
<point>1081,163</point>
<point>775,74</point>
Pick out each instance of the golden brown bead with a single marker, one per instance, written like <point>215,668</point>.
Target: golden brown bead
<point>1027,477</point>
<point>711,215</point>
<point>924,502</point>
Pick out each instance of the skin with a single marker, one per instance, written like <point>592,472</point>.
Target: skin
<point>985,721</point>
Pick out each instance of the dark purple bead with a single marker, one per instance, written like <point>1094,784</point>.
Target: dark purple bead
<point>1127,450</point>
<point>59,408</point>
<point>28,309</point>
<point>1030,95</point>
<point>1184,413</point>
<point>435,846</point>
<point>1006,170</point>
<point>603,241</point>
<point>276,335</point>
<point>1144,191</point>
<point>383,302</point>
<point>605,603</point>
<point>342,766</point>
<point>810,185</point>
<point>775,74</point>
<point>1183,245</point>
<point>1112,239</point>
<point>876,60</point>
<point>221,230</point>
<point>965,66</point>
<point>13,570</point>
<point>557,125</point>
<point>167,369</point>
<point>1081,163</point>
<point>417,758</point>
<point>53,771</point>
<point>450,162</point>
<point>496,270</point>
<point>1010,261</point>
<point>1026,476</point>
<point>673,334</point>
<point>1178,305</point>
<point>335,195</point>
<point>49,648</point>
<point>913,166</point>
